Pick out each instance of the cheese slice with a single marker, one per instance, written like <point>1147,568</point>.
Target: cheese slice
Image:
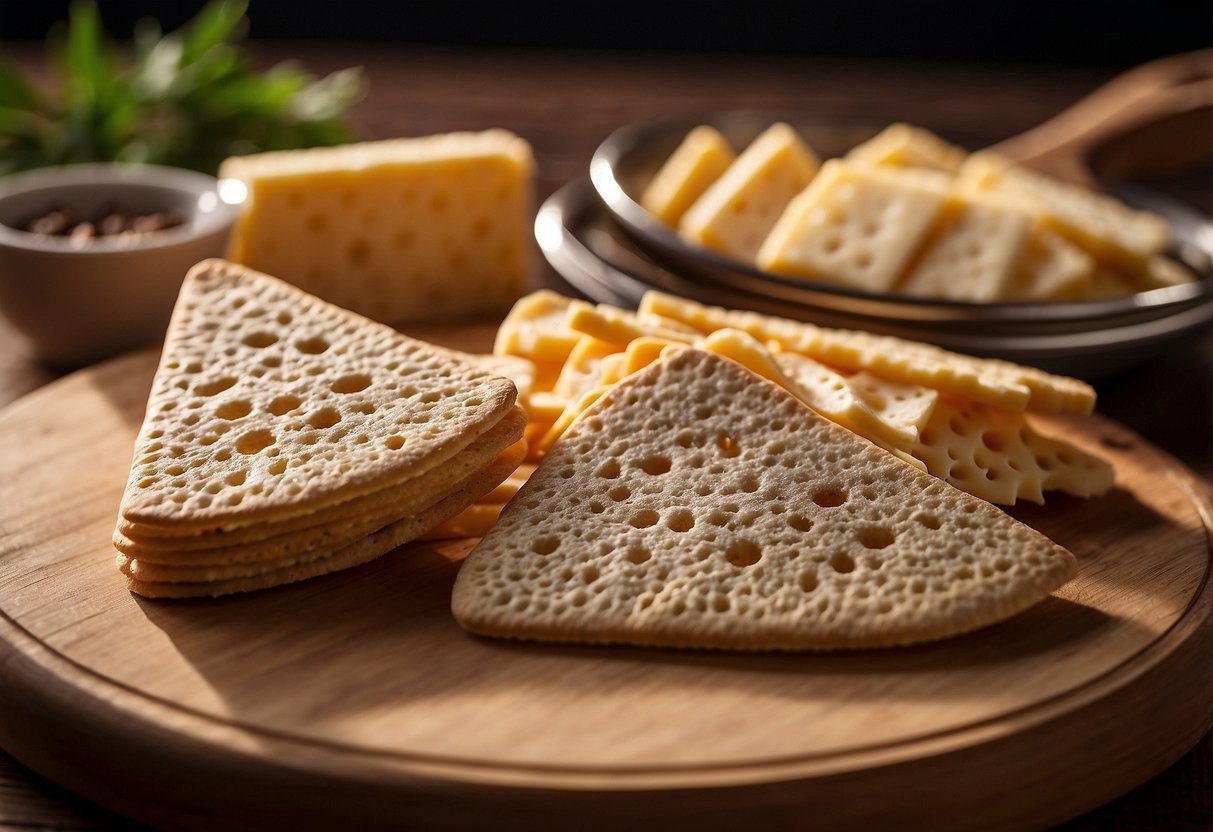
<point>1163,271</point>
<point>398,230</point>
<point>535,329</point>
<point>904,146</point>
<point>1104,226</point>
<point>990,381</point>
<point>974,253</point>
<point>882,412</point>
<point>735,213</point>
<point>1051,268</point>
<point>999,456</point>
<point>580,371</point>
<point>698,161</point>
<point>619,326</point>
<point>853,225</point>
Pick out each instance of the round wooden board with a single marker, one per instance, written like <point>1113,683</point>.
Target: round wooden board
<point>355,700</point>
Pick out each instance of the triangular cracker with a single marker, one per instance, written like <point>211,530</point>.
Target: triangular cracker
<point>270,403</point>
<point>699,505</point>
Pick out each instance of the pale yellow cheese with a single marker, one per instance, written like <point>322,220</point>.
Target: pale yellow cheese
<point>698,161</point>
<point>974,253</point>
<point>857,226</point>
<point>535,329</point>
<point>906,146</point>
<point>735,213</point>
<point>1052,268</point>
<point>580,371</point>
<point>997,383</point>
<point>473,521</point>
<point>398,230</point>
<point>999,456</point>
<point>1104,226</point>
<point>619,326</point>
<point>882,412</point>
<point>1163,271</point>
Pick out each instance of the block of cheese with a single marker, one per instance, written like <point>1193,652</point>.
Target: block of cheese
<point>974,253</point>
<point>906,146</point>
<point>853,225</point>
<point>735,213</point>
<point>697,162</point>
<point>1104,226</point>
<point>398,230</point>
<point>1052,268</point>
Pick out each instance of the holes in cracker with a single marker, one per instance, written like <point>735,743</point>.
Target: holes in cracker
<point>876,537</point>
<point>609,470</point>
<point>324,418</point>
<point>743,552</point>
<point>829,497</point>
<point>545,545</point>
<point>930,521</point>
<point>233,410</point>
<point>282,405</point>
<point>394,442</point>
<point>620,493</point>
<point>312,346</point>
<point>799,522</point>
<point>644,519</point>
<point>727,445</point>
<point>808,581</point>
<point>355,383</point>
<point>842,563</point>
<point>254,441</point>
<point>655,465</point>
<point>214,387</point>
<point>680,520</point>
<point>639,554</point>
<point>259,340</point>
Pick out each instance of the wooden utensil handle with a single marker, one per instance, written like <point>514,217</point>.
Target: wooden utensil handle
<point>1154,120</point>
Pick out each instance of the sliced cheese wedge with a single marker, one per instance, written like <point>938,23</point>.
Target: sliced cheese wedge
<point>902,145</point>
<point>694,165</point>
<point>1104,226</point>
<point>855,225</point>
<point>974,253</point>
<point>735,213</point>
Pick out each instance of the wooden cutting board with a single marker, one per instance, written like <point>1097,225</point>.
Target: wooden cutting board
<point>355,701</point>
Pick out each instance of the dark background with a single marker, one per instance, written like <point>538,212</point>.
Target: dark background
<point>1057,31</point>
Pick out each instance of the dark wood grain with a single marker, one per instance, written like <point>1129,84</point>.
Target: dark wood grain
<point>566,102</point>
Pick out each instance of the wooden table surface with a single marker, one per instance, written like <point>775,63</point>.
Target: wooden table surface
<point>566,102</point>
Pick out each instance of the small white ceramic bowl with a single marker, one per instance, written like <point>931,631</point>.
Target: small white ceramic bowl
<point>77,304</point>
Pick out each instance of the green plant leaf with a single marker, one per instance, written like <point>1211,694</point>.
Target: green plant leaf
<point>16,92</point>
<point>189,97</point>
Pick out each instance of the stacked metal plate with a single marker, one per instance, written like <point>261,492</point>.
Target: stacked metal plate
<point>597,236</point>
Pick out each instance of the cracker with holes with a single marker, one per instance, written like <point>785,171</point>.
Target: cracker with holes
<point>286,438</point>
<point>699,505</point>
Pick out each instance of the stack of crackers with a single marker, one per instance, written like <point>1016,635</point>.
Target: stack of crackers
<point>287,438</point>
